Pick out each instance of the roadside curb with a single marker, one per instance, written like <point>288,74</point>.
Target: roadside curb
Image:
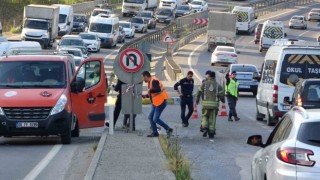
<point>97,154</point>
<point>169,174</point>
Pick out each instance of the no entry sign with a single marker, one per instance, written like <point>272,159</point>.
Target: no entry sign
<point>131,60</point>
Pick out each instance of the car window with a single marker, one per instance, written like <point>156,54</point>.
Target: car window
<point>244,68</point>
<point>303,66</point>
<point>196,2</point>
<point>268,71</point>
<point>137,20</point>
<point>311,96</point>
<point>309,133</point>
<point>88,36</point>
<point>125,25</point>
<point>90,71</point>
<point>71,42</point>
<point>225,49</point>
<point>279,134</point>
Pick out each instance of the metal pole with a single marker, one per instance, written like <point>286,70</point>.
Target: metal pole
<point>111,109</point>
<point>131,102</point>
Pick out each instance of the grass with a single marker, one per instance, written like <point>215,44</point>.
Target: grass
<point>176,161</point>
<point>15,30</point>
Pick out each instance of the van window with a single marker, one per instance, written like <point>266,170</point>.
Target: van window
<point>32,74</point>
<point>242,16</point>
<point>311,96</point>
<point>90,71</point>
<point>269,71</point>
<point>101,28</point>
<point>302,66</point>
<point>273,32</point>
<point>62,18</point>
<point>252,17</point>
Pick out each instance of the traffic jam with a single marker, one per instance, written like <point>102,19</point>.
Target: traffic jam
<point>52,84</point>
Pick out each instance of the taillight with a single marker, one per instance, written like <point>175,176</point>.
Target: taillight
<point>275,94</point>
<point>299,102</point>
<point>296,156</point>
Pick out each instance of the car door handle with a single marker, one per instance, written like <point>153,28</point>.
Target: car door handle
<point>100,95</point>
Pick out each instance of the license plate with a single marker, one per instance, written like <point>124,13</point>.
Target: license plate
<point>244,86</point>
<point>27,125</point>
<point>161,20</point>
<point>286,107</point>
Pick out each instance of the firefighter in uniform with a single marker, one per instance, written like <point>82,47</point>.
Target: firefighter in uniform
<point>211,93</point>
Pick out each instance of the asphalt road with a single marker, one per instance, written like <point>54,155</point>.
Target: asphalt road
<point>228,157</point>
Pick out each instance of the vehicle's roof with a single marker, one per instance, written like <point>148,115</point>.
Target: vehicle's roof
<point>313,116</point>
<point>34,58</point>
<point>126,22</point>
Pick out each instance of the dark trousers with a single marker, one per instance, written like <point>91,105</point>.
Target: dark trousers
<point>117,110</point>
<point>126,120</point>
<point>232,102</point>
<point>184,102</point>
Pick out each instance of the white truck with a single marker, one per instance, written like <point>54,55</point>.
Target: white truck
<point>221,29</point>
<point>40,23</point>
<point>132,7</point>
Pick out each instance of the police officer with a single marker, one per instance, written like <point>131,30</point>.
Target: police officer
<point>186,98</point>
<point>210,92</point>
<point>232,95</point>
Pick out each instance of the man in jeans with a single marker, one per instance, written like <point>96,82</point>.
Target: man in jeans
<point>158,96</point>
<point>186,98</point>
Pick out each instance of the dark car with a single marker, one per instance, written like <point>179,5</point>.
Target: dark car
<point>183,10</point>
<point>165,15</point>
<point>306,94</point>
<point>149,18</point>
<point>257,33</point>
<point>122,35</point>
<point>80,22</point>
<point>248,77</point>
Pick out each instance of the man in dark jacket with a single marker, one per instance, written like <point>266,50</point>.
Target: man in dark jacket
<point>186,98</point>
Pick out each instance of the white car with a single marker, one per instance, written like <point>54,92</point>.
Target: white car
<point>298,22</point>
<point>128,28</point>
<point>92,41</point>
<point>199,5</point>
<point>224,55</point>
<point>77,55</point>
<point>292,150</point>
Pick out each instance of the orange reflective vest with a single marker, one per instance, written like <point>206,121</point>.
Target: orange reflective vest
<point>159,97</point>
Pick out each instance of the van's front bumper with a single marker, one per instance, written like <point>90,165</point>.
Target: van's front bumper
<point>52,125</point>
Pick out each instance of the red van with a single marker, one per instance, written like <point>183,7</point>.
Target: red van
<point>42,95</point>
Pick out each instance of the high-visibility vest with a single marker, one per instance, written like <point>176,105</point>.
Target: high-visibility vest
<point>232,88</point>
<point>159,97</point>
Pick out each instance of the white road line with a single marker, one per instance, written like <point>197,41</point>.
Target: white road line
<point>43,163</point>
<point>302,33</point>
<point>198,76</point>
<point>109,55</point>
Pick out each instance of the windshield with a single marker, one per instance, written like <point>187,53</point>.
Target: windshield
<point>32,74</point>
<point>309,133</point>
<point>298,18</point>
<point>315,10</point>
<point>77,62</point>
<point>124,25</point>
<point>62,18</point>
<point>196,2</point>
<point>273,32</point>
<point>96,12</point>
<point>79,18</point>
<point>101,28</point>
<point>244,68</point>
<point>225,49</point>
<point>301,66</point>
<point>165,12</point>
<point>32,24</point>
<point>183,8</point>
<point>71,42</point>
<point>135,1</point>
<point>137,20</point>
<point>145,14</point>
<point>75,53</point>
<point>88,36</point>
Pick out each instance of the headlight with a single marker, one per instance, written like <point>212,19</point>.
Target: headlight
<point>60,105</point>
<point>1,111</point>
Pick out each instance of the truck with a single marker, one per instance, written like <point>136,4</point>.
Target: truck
<point>132,7</point>
<point>40,23</point>
<point>65,19</point>
<point>221,29</point>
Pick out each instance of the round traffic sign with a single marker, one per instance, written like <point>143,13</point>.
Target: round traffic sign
<point>131,60</point>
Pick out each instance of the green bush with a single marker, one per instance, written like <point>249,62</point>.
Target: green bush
<point>15,30</point>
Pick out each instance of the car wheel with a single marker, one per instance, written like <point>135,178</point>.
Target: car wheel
<point>76,131</point>
<point>290,27</point>
<point>305,27</point>
<point>66,137</point>
<point>259,116</point>
<point>269,119</point>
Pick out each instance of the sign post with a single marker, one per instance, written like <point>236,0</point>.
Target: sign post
<point>167,38</point>
<point>128,67</point>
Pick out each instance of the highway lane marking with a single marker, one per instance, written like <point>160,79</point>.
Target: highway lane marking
<point>34,173</point>
<point>199,77</point>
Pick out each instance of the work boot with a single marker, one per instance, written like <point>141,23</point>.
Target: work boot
<point>185,124</point>
<point>211,135</point>
<point>230,119</point>
<point>153,135</point>
<point>205,132</point>
<point>237,119</point>
<point>201,129</point>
